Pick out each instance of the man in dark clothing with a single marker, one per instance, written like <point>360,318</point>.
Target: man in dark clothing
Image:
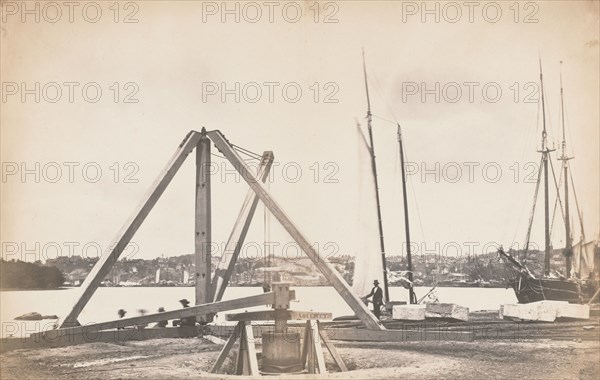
<point>377,295</point>
<point>187,321</point>
<point>162,323</point>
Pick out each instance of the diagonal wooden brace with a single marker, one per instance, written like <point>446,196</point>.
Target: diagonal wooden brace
<point>123,237</point>
<point>330,273</point>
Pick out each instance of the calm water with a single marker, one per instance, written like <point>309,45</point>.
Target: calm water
<point>106,301</point>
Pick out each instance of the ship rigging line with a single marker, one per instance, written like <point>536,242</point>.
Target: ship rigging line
<point>384,119</point>
<point>577,206</point>
<point>396,122</point>
<point>537,126</point>
<point>410,181</point>
<point>537,187</point>
<point>556,204</point>
<point>558,200</point>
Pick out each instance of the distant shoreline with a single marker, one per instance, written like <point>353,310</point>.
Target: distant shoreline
<point>233,286</point>
<point>29,289</point>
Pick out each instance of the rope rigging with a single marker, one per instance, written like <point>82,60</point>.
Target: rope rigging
<point>577,206</point>
<point>266,240</point>
<point>560,180</point>
<point>557,197</point>
<point>247,152</point>
<point>537,187</point>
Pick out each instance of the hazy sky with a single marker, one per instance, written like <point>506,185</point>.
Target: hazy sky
<point>179,60</point>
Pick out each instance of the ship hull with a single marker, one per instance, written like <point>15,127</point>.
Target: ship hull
<point>528,289</point>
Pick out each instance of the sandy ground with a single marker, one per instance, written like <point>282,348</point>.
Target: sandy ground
<point>192,358</point>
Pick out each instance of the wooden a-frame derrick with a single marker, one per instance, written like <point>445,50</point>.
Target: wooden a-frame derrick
<point>205,292</point>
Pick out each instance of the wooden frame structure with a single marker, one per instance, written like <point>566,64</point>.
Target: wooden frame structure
<point>206,290</point>
<point>313,358</point>
<point>279,353</point>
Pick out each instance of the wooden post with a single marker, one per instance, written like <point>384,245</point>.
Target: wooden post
<point>203,221</point>
<point>238,234</point>
<point>317,348</point>
<point>330,273</point>
<point>227,347</point>
<point>250,350</point>
<point>332,350</point>
<point>242,362</point>
<point>306,343</point>
<point>123,237</point>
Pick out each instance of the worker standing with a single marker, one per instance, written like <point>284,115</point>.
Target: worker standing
<point>377,295</point>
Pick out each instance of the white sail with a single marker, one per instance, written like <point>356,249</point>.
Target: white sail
<point>186,276</point>
<point>583,258</point>
<point>367,264</point>
<point>157,278</point>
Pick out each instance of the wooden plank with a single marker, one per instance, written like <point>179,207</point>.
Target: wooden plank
<point>418,335</point>
<point>240,365</point>
<point>270,315</point>
<point>202,236</point>
<point>318,349</point>
<point>124,235</point>
<point>261,299</point>
<point>236,239</point>
<point>311,365</point>
<point>331,348</point>
<point>104,336</point>
<point>326,268</point>
<point>305,342</point>
<point>226,348</point>
<point>251,350</point>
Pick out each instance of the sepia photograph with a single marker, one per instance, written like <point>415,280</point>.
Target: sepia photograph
<point>302,189</point>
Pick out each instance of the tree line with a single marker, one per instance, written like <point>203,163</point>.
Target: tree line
<point>24,275</point>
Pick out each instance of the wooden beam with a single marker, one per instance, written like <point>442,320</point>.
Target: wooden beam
<point>332,350</point>
<point>124,235</point>
<point>236,239</point>
<point>261,299</point>
<point>305,343</point>
<point>271,315</point>
<point>241,363</point>
<point>326,268</point>
<point>310,350</point>
<point>202,236</point>
<point>227,348</point>
<point>363,335</point>
<point>251,349</point>
<point>318,349</point>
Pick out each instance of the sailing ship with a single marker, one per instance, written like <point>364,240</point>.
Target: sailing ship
<point>406,278</point>
<point>572,286</point>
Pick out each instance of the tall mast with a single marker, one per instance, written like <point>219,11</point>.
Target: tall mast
<point>568,252</point>
<point>411,292</point>
<point>374,169</point>
<point>545,152</point>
